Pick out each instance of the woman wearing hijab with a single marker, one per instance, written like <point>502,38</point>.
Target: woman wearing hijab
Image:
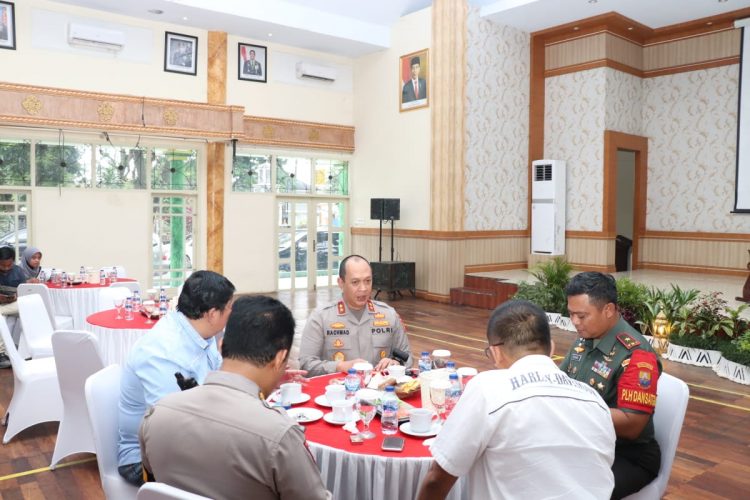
<point>31,263</point>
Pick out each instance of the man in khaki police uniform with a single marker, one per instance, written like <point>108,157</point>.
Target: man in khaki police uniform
<point>221,439</point>
<point>613,358</point>
<point>354,329</point>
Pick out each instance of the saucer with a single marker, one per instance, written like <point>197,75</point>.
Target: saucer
<point>328,417</point>
<point>276,398</point>
<point>304,415</point>
<point>322,400</point>
<point>406,429</point>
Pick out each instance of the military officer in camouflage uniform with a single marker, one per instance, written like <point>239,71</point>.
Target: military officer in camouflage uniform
<point>619,363</point>
<point>354,329</point>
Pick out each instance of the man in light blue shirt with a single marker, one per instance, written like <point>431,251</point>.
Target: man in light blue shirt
<point>183,341</point>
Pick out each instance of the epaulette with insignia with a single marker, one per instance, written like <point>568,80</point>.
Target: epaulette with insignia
<point>340,307</point>
<point>370,306</point>
<point>628,341</point>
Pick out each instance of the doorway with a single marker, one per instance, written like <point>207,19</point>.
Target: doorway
<point>624,209</point>
<point>311,241</point>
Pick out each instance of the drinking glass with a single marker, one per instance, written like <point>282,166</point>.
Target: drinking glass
<point>118,305</point>
<point>366,412</point>
<point>438,392</point>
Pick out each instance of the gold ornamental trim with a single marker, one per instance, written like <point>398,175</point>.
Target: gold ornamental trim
<point>285,143</point>
<point>314,135</point>
<point>32,105</point>
<point>268,132</point>
<point>170,117</point>
<point>279,121</point>
<point>105,111</point>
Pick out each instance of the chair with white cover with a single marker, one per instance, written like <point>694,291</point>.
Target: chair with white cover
<point>76,357</point>
<point>133,286</point>
<point>36,394</point>
<point>108,295</point>
<point>671,403</point>
<point>59,322</point>
<point>102,397</point>
<point>162,491</point>
<point>37,327</point>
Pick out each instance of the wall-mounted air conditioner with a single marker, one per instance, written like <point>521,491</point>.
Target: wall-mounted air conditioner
<point>93,36</point>
<point>548,207</point>
<point>315,72</point>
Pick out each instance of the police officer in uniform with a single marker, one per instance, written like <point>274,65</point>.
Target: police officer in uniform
<point>354,329</point>
<point>619,363</point>
<point>221,439</point>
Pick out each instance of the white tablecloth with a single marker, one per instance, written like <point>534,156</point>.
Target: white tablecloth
<point>75,302</point>
<point>115,343</point>
<point>357,476</point>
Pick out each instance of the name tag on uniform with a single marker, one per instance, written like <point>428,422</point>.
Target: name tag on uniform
<point>576,357</point>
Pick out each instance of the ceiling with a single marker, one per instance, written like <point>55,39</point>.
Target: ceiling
<point>353,28</point>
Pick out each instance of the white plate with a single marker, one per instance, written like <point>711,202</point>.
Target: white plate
<point>406,429</point>
<point>303,398</point>
<point>322,400</point>
<point>305,415</point>
<point>328,417</point>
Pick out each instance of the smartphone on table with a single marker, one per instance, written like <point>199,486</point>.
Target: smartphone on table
<point>393,443</point>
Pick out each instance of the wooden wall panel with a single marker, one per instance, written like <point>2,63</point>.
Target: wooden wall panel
<point>694,50</point>
<point>576,51</point>
<point>496,251</point>
<point>718,253</point>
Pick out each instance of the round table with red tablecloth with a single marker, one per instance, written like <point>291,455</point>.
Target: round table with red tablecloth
<point>77,301</point>
<point>117,336</point>
<point>364,471</point>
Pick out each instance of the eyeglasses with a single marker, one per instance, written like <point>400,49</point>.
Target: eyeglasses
<point>487,349</point>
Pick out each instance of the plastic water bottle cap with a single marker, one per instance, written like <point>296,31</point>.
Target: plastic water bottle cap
<point>425,353</point>
<point>453,376</point>
<point>352,371</point>
<point>390,388</point>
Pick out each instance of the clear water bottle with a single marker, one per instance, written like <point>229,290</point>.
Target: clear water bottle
<point>113,275</point>
<point>82,274</point>
<point>163,308</point>
<point>63,279</point>
<point>53,276</point>
<point>102,277</point>
<point>351,383</point>
<point>425,362</point>
<point>453,394</point>
<point>389,416</point>
<point>129,308</point>
<point>450,367</point>
<point>162,295</point>
<point>42,276</point>
<point>136,301</point>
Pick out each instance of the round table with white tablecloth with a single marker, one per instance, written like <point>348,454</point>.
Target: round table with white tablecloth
<point>117,336</point>
<point>77,301</point>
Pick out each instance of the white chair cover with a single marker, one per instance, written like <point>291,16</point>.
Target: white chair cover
<point>36,394</point>
<point>37,327</point>
<point>102,397</point>
<point>107,296</point>
<point>130,285</point>
<point>76,357</point>
<point>671,403</point>
<point>59,322</point>
<point>161,491</point>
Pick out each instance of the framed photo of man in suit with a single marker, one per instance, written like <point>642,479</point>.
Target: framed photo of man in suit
<point>414,80</point>
<point>252,63</point>
<point>180,53</point>
<point>7,25</point>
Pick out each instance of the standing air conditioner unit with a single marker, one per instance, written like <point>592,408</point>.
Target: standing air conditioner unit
<point>95,37</point>
<point>548,207</point>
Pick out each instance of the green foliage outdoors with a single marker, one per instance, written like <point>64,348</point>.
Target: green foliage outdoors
<point>631,300</point>
<point>549,291</point>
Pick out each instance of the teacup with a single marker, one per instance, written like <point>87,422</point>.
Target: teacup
<point>289,393</point>
<point>343,410</point>
<point>363,370</point>
<point>440,357</point>
<point>396,371</point>
<point>420,419</point>
<point>465,373</point>
<point>335,392</point>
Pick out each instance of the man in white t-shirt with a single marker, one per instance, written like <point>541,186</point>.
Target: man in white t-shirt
<point>525,430</point>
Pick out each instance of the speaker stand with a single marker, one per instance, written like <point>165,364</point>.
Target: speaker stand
<point>391,240</point>
<point>380,242</point>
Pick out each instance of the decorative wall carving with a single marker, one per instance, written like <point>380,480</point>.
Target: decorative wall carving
<point>297,134</point>
<point>105,111</point>
<point>32,105</point>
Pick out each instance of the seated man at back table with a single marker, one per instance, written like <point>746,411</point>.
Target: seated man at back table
<point>525,430</point>
<point>11,276</point>
<point>354,329</point>
<point>222,439</point>
<point>182,341</point>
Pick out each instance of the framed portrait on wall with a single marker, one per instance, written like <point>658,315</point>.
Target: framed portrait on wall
<point>180,53</point>
<point>414,80</point>
<point>252,63</point>
<point>7,25</point>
